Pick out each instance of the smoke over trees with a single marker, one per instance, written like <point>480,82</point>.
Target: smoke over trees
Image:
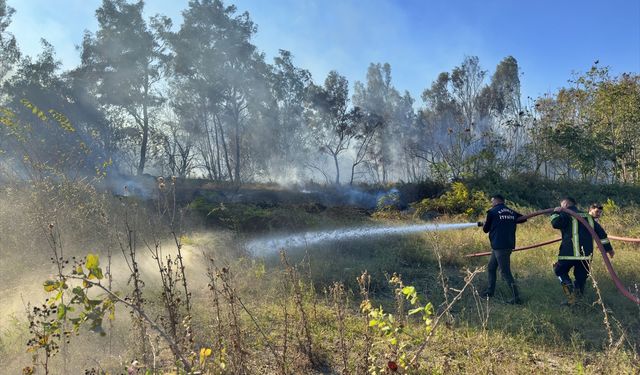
<point>198,99</point>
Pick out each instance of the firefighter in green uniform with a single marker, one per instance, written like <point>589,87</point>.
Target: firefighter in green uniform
<point>576,248</point>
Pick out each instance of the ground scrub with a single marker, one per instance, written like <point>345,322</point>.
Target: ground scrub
<point>458,200</point>
<point>247,315</point>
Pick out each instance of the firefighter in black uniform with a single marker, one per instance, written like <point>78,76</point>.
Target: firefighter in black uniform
<point>501,226</point>
<point>576,248</point>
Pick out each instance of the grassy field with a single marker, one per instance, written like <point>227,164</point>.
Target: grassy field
<point>304,313</point>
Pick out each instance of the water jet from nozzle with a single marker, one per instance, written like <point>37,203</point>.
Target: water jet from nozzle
<point>268,246</point>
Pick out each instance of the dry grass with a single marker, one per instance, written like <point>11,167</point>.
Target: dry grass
<point>286,317</point>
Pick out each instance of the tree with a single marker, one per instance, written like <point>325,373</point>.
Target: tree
<point>177,147</point>
<point>501,100</point>
<point>615,114</point>
<point>380,99</point>
<point>124,60</point>
<point>367,125</point>
<point>455,120</point>
<point>289,85</point>
<point>9,53</point>
<point>221,79</point>
<point>52,130</point>
<point>332,123</point>
<point>405,120</point>
<point>589,129</point>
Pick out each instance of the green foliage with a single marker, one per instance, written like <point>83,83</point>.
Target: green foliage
<point>531,190</point>
<point>458,200</point>
<point>611,206</point>
<point>589,130</point>
<point>46,143</point>
<point>388,206</point>
<point>388,201</point>
<point>70,307</point>
<point>396,341</point>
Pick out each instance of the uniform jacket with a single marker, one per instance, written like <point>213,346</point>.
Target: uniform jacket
<point>501,226</point>
<point>577,243</point>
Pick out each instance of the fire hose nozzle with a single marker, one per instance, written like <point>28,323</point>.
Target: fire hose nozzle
<point>480,223</point>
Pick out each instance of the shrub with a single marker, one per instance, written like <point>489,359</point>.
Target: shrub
<point>458,200</point>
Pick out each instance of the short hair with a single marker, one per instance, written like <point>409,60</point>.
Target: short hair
<point>569,199</point>
<point>595,205</point>
<point>498,197</point>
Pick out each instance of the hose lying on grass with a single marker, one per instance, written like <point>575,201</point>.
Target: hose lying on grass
<point>529,247</point>
<point>607,263</point>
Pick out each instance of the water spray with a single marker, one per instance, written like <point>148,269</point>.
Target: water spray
<point>261,247</point>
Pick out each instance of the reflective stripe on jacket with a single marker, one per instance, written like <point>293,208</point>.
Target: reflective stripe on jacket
<point>577,243</point>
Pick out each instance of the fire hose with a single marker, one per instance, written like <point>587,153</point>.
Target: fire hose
<point>607,262</point>
<point>529,247</point>
<point>624,239</point>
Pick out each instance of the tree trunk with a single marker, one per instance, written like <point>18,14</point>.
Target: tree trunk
<point>335,159</point>
<point>145,139</point>
<point>353,170</point>
<point>145,127</point>
<point>218,156</point>
<point>225,149</point>
<point>236,118</point>
<point>237,136</point>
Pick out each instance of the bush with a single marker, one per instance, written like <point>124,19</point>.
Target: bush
<point>458,200</point>
<point>531,190</point>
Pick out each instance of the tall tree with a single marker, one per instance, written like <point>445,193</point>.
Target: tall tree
<point>332,123</point>
<point>366,126</point>
<point>455,118</point>
<point>125,60</point>
<point>589,129</point>
<point>436,122</point>
<point>502,101</point>
<point>405,117</point>
<point>614,115</point>
<point>220,71</point>
<point>9,53</point>
<point>378,97</point>
<point>289,85</point>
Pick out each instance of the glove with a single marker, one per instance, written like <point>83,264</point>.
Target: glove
<point>480,223</point>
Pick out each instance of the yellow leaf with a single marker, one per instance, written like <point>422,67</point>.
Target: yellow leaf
<point>92,261</point>
<point>50,286</point>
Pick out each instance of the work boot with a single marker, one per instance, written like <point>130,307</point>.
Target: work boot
<point>579,296</point>
<point>516,296</point>
<point>568,292</point>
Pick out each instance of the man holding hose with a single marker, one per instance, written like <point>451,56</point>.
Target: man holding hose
<point>576,248</point>
<point>501,226</point>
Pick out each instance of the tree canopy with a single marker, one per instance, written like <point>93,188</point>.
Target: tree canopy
<point>199,99</point>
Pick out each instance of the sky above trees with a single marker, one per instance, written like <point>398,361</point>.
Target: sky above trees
<point>550,39</point>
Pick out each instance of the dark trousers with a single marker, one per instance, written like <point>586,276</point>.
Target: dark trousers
<point>580,272</point>
<point>502,259</point>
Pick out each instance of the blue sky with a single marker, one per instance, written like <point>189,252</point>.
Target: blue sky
<point>550,39</point>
